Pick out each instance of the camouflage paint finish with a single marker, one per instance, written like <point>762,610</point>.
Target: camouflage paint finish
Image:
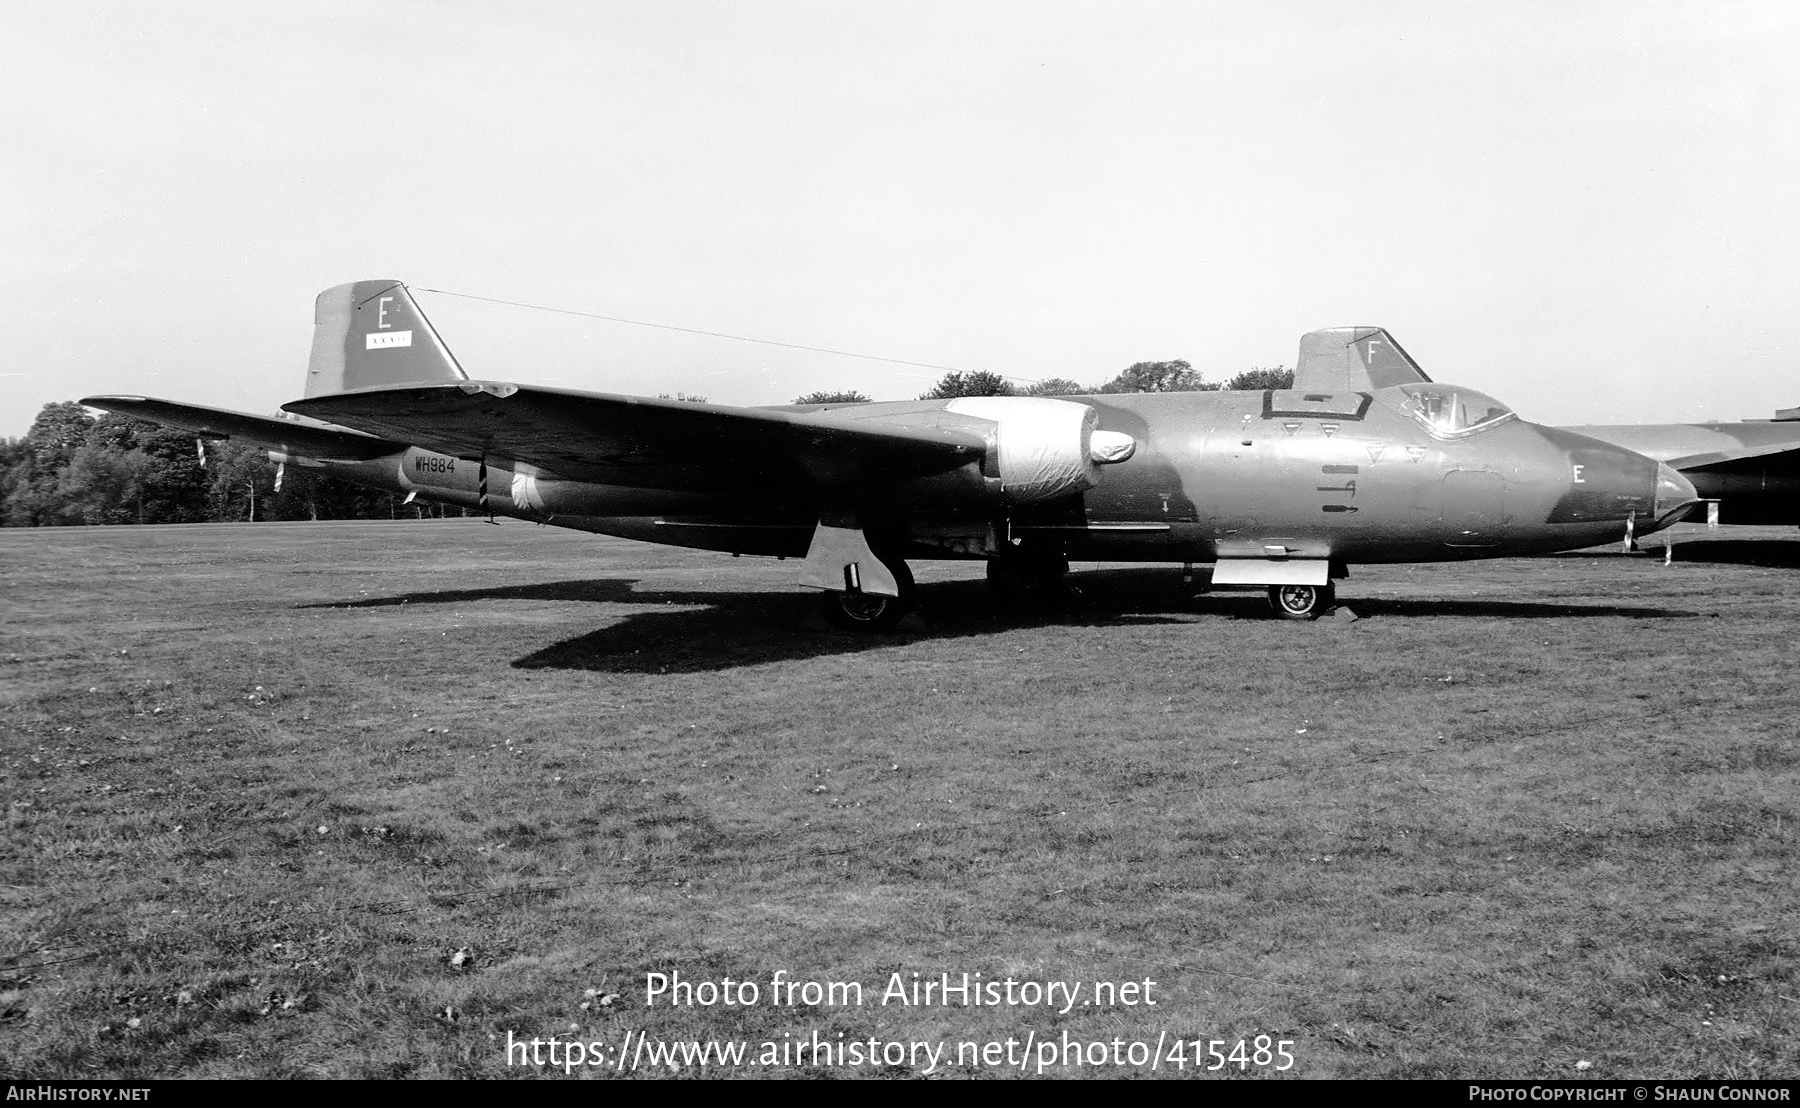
<point>1346,478</point>
<point>1350,478</point>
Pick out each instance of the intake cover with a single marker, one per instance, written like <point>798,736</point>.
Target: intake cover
<point>1045,448</point>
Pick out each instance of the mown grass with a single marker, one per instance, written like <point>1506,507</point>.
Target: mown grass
<point>361,799</point>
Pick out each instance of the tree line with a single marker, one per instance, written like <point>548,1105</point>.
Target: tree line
<point>1171,376</point>
<point>73,468</point>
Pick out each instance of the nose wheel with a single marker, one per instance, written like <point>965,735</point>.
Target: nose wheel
<point>1301,601</point>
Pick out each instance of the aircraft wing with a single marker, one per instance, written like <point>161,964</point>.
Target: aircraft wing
<point>289,435</point>
<point>1702,447</point>
<point>653,443</point>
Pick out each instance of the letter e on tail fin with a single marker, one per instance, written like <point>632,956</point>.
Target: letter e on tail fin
<point>370,334</point>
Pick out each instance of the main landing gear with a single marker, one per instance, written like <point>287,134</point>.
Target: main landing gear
<point>867,611</point>
<point>1301,601</point>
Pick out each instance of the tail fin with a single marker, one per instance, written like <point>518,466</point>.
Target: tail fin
<point>368,334</point>
<point>1353,359</point>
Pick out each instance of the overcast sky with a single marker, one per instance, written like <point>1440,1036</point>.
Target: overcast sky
<point>1587,210</point>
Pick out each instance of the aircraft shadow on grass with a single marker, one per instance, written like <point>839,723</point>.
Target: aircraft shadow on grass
<point>699,630</point>
<point>1507,609</point>
<point>606,590</point>
<point>1768,553</point>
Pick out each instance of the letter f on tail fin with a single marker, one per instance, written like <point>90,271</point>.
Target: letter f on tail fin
<point>370,334</point>
<point>1353,359</point>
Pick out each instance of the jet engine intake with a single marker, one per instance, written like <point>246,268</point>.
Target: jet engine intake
<point>1045,448</point>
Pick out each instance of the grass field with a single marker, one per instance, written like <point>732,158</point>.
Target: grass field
<point>373,800</point>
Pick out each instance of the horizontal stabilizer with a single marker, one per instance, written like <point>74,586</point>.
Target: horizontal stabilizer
<point>290,435</point>
<point>1353,359</point>
<point>638,442</point>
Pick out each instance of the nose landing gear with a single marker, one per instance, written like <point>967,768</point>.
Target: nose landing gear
<point>1301,601</point>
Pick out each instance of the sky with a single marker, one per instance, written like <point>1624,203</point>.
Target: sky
<point>1586,210</point>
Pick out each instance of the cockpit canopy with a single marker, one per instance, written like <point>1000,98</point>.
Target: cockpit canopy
<point>1451,411</point>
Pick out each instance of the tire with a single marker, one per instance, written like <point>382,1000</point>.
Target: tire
<point>1301,602</point>
<point>863,611</point>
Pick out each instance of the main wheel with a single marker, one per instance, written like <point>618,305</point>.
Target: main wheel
<point>869,611</point>
<point>1300,601</point>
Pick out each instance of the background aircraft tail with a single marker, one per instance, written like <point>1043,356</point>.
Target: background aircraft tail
<point>1353,359</point>
<point>370,334</point>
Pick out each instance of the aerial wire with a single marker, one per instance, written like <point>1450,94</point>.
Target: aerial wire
<point>714,334</point>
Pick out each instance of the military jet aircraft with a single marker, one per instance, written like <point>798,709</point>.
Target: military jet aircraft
<point>1365,460</point>
<point>1749,472</point>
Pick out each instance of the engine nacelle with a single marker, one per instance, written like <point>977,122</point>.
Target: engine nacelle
<point>1045,448</point>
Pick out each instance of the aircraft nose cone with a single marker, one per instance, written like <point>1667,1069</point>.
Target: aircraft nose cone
<point>1675,496</point>
<point>1606,484</point>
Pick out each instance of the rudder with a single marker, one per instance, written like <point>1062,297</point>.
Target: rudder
<point>371,334</point>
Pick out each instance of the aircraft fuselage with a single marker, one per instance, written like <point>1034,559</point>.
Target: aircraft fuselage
<point>1268,475</point>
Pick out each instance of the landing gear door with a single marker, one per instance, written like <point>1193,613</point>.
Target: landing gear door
<point>840,559</point>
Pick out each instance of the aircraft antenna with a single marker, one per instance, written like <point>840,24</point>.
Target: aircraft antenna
<point>713,334</point>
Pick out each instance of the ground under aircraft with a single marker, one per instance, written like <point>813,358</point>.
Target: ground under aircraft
<point>1749,472</point>
<point>1365,460</point>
